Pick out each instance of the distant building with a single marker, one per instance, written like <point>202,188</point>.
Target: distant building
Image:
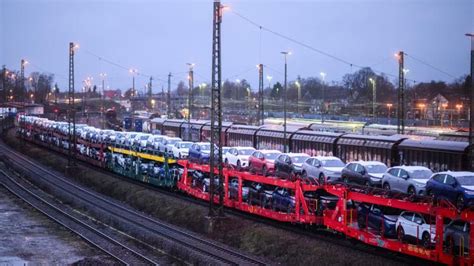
<point>112,94</point>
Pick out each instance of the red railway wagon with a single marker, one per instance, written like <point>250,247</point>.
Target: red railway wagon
<point>342,219</point>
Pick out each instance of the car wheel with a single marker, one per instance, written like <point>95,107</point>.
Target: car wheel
<point>367,184</point>
<point>179,156</point>
<point>322,179</point>
<point>400,234</point>
<point>264,170</point>
<point>386,186</point>
<point>239,166</point>
<point>460,202</point>
<point>411,191</point>
<point>425,240</point>
<point>361,222</point>
<point>226,162</point>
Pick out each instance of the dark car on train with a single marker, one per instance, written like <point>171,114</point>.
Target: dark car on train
<point>289,165</point>
<point>282,200</point>
<point>457,187</point>
<point>234,190</point>
<point>368,173</point>
<point>260,195</point>
<point>457,237</point>
<point>371,216</point>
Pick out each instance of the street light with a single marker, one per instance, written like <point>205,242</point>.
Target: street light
<point>323,107</point>
<point>444,105</point>
<point>190,96</point>
<point>389,106</point>
<point>298,86</point>
<point>374,96</point>
<point>285,55</point>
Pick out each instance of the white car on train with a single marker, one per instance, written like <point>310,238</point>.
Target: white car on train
<point>238,157</point>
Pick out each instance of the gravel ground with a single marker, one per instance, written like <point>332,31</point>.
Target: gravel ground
<point>28,237</point>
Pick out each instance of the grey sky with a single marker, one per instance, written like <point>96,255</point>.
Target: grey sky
<point>157,37</point>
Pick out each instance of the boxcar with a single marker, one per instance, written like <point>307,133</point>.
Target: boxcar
<point>314,143</point>
<point>172,127</point>
<point>353,147</point>
<point>272,137</point>
<point>241,135</point>
<point>195,127</point>
<point>206,131</point>
<point>438,155</point>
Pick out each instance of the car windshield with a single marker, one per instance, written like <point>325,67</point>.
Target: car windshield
<point>172,141</point>
<point>299,159</point>
<point>185,145</point>
<point>271,156</point>
<point>246,152</point>
<point>376,169</point>
<point>421,174</point>
<point>332,163</point>
<point>144,137</point>
<point>205,147</point>
<point>466,180</point>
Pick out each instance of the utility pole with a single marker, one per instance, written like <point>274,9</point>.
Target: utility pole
<point>71,110</point>
<point>22,79</point>
<point>102,99</point>
<point>401,94</point>
<point>216,114</point>
<point>285,95</point>
<point>133,94</point>
<point>323,106</point>
<point>190,97</point>
<point>373,81</point>
<point>471,103</point>
<point>150,91</point>
<point>168,96</point>
<point>260,94</point>
<point>4,88</point>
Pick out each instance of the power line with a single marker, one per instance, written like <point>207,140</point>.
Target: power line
<point>430,65</point>
<point>343,61</point>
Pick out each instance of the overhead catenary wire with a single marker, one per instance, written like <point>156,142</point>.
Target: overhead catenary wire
<point>430,65</point>
<point>309,47</point>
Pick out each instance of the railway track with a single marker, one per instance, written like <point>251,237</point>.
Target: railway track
<point>119,251</point>
<point>204,248</point>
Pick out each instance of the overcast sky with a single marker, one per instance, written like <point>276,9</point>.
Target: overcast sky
<point>158,37</point>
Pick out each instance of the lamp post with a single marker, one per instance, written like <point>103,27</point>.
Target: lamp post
<point>298,87</point>
<point>285,55</point>
<point>471,105</point>
<point>132,95</point>
<point>444,106</point>
<point>374,96</point>
<point>323,107</point>
<point>190,97</point>
<point>22,78</point>
<point>459,107</point>
<point>389,106</point>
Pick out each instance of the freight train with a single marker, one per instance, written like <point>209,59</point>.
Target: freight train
<point>436,154</point>
<point>371,215</point>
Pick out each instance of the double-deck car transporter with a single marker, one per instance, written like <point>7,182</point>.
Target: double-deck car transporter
<point>333,206</point>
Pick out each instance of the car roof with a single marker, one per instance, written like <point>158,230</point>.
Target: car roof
<point>458,173</point>
<point>326,157</point>
<point>411,168</point>
<point>369,163</point>
<point>202,143</point>
<point>269,151</point>
<point>244,148</point>
<point>294,154</point>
